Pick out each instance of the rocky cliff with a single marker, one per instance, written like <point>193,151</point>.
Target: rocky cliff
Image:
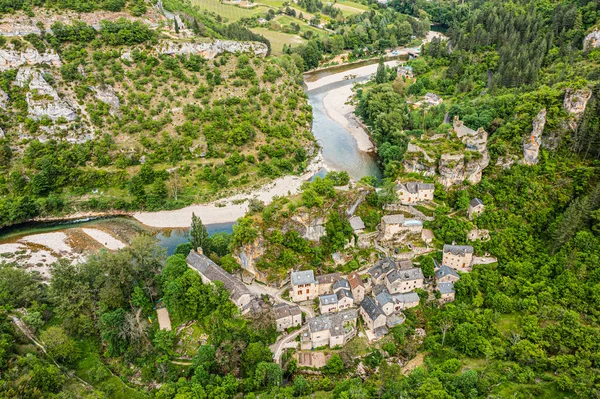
<point>248,255</point>
<point>575,102</point>
<point>531,143</point>
<point>592,40</point>
<point>212,49</point>
<point>11,59</point>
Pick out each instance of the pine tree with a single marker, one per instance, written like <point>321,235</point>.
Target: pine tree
<point>199,235</point>
<point>381,75</point>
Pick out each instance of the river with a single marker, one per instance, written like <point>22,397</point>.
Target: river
<point>339,149</point>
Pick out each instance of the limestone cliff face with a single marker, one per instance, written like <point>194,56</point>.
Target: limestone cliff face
<point>416,160</point>
<point>452,169</point>
<point>108,96</point>
<point>592,40</point>
<point>311,229</point>
<point>3,99</point>
<point>42,99</point>
<point>11,59</point>
<point>248,255</point>
<point>531,143</point>
<point>575,103</point>
<point>212,49</point>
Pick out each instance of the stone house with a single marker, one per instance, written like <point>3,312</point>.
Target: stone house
<point>328,303</point>
<point>333,329</point>
<point>381,268</point>
<point>394,224</point>
<point>404,280</point>
<point>476,207</point>
<point>287,316</point>
<point>325,282</point>
<point>356,286</point>
<point>345,299</point>
<point>372,314</point>
<point>446,274</point>
<point>414,192</point>
<point>446,292</point>
<point>357,224</point>
<point>406,300</point>
<point>303,286</point>
<point>386,302</point>
<point>458,257</point>
<point>210,272</point>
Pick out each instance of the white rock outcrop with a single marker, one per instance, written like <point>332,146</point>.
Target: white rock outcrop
<point>531,143</point>
<point>592,40</point>
<point>3,99</point>
<point>11,59</point>
<point>42,98</point>
<point>108,96</point>
<point>576,100</point>
<point>212,49</point>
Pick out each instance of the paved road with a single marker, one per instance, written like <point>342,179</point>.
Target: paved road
<point>278,347</point>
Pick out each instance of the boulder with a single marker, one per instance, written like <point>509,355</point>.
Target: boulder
<point>12,59</point>
<point>531,143</point>
<point>592,40</point>
<point>212,49</point>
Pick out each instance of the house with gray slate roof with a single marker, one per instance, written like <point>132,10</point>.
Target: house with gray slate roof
<point>332,329</point>
<point>303,286</point>
<point>475,208</point>
<point>446,274</point>
<point>287,316</point>
<point>404,280</point>
<point>446,292</point>
<point>406,300</point>
<point>328,303</point>
<point>210,272</point>
<point>372,314</point>
<point>414,192</point>
<point>458,257</point>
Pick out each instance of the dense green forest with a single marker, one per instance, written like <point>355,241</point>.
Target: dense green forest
<point>526,326</point>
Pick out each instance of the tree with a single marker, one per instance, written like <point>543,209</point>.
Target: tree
<point>199,235</point>
<point>428,266</point>
<point>164,340</point>
<point>334,366</point>
<point>174,184</point>
<point>59,345</point>
<point>381,75</point>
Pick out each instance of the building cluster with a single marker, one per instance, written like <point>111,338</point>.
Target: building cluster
<point>392,225</point>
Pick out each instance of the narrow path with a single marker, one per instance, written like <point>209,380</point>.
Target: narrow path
<point>278,347</point>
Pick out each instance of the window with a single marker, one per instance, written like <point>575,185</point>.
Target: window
<point>300,292</point>
<point>307,291</point>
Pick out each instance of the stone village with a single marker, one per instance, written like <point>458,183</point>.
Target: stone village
<point>314,311</point>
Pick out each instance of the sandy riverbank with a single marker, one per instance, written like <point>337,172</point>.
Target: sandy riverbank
<point>335,104</point>
<point>232,210</point>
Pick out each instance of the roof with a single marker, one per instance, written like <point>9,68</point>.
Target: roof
<point>344,293</point>
<point>476,202</point>
<point>377,288</point>
<point>407,297</point>
<point>331,321</point>
<point>384,298</point>
<point>393,219</point>
<point>328,299</point>
<point>405,264</point>
<point>371,309</point>
<point>283,310</point>
<point>382,266</point>
<point>414,273</point>
<point>415,187</point>
<point>303,277</point>
<point>329,278</point>
<point>356,223</point>
<point>461,250</point>
<point>444,271</point>
<point>355,280</point>
<point>214,272</point>
<point>341,283</point>
<point>445,288</point>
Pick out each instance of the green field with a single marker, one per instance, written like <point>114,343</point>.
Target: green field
<point>231,12</point>
<point>272,3</point>
<point>350,8</point>
<point>278,39</point>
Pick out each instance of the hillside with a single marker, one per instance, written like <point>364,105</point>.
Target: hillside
<point>131,113</point>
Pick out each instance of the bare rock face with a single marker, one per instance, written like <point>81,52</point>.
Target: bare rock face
<point>452,169</point>
<point>310,229</point>
<point>474,167</point>
<point>505,162</point>
<point>592,40</point>
<point>575,103</point>
<point>249,254</point>
<point>418,161</point>
<point>108,96</point>
<point>11,59</point>
<point>42,99</point>
<point>531,143</point>
<point>1,133</point>
<point>3,99</point>
<point>212,49</point>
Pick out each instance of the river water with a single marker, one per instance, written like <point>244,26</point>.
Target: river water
<point>340,153</point>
